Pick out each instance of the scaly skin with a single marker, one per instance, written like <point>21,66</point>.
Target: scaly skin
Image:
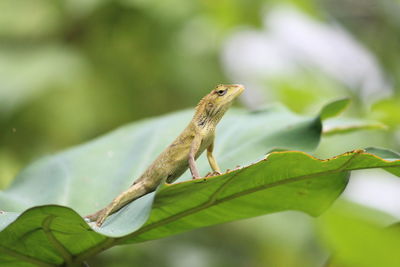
<point>182,153</point>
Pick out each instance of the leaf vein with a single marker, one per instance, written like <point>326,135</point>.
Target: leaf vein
<point>25,258</point>
<point>63,252</point>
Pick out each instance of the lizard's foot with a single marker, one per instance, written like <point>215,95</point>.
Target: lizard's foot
<point>100,220</point>
<point>100,216</point>
<point>95,217</point>
<point>90,218</point>
<point>214,173</point>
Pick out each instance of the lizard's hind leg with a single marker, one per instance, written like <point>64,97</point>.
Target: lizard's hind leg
<point>134,192</point>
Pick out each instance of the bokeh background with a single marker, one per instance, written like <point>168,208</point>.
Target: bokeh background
<point>72,70</point>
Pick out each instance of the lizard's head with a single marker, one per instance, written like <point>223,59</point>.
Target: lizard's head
<point>214,105</point>
<point>224,94</point>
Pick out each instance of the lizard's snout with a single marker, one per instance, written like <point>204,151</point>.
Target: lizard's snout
<point>238,87</point>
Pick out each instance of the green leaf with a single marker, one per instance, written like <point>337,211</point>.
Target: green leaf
<point>334,108</point>
<point>89,176</point>
<point>346,125</point>
<point>283,181</point>
<point>46,236</point>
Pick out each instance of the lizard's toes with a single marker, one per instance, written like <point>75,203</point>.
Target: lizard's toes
<point>214,173</point>
<point>95,216</point>
<point>100,221</point>
<point>102,217</point>
<point>90,218</point>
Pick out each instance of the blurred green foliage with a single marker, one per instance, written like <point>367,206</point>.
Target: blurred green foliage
<point>358,236</point>
<point>71,70</point>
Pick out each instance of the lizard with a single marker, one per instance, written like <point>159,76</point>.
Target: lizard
<point>198,136</point>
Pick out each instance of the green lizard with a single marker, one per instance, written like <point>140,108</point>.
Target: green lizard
<point>182,153</point>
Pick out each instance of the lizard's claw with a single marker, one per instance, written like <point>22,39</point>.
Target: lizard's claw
<point>90,218</point>
<point>214,173</point>
<point>100,220</point>
<point>102,216</point>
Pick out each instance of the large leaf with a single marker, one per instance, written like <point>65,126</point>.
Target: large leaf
<point>283,181</point>
<point>89,176</point>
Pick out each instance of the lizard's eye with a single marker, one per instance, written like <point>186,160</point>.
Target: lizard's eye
<point>222,92</point>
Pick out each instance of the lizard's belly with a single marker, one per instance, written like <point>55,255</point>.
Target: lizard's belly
<point>179,160</point>
<point>174,161</point>
<point>204,145</point>
<point>177,168</point>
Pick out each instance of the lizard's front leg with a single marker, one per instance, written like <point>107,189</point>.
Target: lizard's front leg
<point>212,160</point>
<point>194,147</point>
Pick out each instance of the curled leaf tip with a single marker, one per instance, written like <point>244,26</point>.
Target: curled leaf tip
<point>334,108</point>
